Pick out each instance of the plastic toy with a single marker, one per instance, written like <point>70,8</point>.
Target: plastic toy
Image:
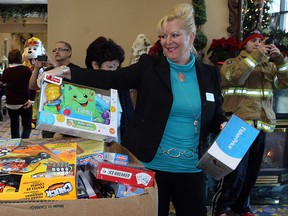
<point>53,94</point>
<point>103,108</point>
<point>83,111</point>
<point>76,102</point>
<point>80,103</point>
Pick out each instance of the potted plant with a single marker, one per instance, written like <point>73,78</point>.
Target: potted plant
<point>222,49</point>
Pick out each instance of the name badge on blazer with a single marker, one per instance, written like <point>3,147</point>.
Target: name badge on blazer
<point>210,97</point>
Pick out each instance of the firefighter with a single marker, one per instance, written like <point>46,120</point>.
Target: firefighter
<point>247,87</point>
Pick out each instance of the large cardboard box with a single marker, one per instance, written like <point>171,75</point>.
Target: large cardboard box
<point>138,205</point>
<point>77,110</point>
<point>141,205</point>
<point>229,148</point>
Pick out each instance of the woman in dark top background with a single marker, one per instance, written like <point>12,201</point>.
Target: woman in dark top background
<point>16,77</point>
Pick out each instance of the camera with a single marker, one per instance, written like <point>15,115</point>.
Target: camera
<point>268,41</point>
<point>42,58</point>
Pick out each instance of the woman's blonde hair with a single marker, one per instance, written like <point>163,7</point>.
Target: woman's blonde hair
<point>184,12</point>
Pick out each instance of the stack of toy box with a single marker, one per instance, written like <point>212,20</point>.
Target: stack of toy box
<point>76,110</point>
<point>38,172</point>
<point>141,205</point>
<point>104,174</point>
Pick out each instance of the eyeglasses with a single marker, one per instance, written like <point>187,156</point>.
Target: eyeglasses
<point>59,50</point>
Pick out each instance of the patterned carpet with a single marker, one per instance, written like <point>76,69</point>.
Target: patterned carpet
<point>259,210</point>
<point>5,130</point>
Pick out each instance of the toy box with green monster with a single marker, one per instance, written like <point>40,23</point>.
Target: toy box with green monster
<point>76,110</point>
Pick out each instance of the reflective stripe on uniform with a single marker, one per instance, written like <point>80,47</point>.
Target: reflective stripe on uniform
<point>283,68</point>
<point>260,125</point>
<point>247,92</point>
<point>250,62</point>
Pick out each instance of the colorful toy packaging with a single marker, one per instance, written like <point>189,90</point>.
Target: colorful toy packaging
<point>7,145</point>
<point>228,149</point>
<point>87,150</point>
<point>75,110</point>
<point>122,191</point>
<point>39,172</point>
<point>134,176</point>
<point>104,172</point>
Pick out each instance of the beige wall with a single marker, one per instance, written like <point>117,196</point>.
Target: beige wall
<point>80,22</point>
<point>217,21</point>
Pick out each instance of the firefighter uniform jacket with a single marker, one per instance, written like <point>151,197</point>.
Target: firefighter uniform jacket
<point>247,87</point>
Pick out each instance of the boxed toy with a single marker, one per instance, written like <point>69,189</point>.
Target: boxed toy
<point>135,176</point>
<point>229,148</point>
<point>83,185</point>
<point>122,191</point>
<point>39,172</point>
<point>116,158</point>
<point>87,150</point>
<point>90,152</point>
<point>7,145</point>
<point>76,110</point>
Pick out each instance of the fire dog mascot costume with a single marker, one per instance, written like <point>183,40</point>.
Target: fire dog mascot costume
<point>33,48</point>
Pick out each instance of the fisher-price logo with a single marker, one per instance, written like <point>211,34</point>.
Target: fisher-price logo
<point>53,79</point>
<point>121,157</point>
<point>59,189</point>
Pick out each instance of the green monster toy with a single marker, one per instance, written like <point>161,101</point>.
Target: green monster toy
<point>76,102</point>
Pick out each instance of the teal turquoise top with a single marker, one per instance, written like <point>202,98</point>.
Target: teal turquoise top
<point>177,151</point>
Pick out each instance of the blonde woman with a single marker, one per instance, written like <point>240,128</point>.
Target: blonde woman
<point>178,104</point>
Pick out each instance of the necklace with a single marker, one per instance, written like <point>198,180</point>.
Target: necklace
<point>181,78</point>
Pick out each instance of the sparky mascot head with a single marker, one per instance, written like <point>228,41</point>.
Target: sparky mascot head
<point>32,48</point>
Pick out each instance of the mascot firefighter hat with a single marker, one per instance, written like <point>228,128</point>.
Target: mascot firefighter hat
<point>32,48</point>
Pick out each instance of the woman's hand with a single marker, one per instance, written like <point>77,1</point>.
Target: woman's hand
<point>27,104</point>
<point>223,125</point>
<point>62,71</point>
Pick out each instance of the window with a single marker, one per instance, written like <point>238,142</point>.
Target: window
<point>279,12</point>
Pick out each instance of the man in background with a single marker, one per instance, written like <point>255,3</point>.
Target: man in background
<point>62,54</point>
